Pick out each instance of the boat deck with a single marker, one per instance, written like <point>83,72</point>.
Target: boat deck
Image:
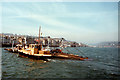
<point>53,55</point>
<point>42,55</point>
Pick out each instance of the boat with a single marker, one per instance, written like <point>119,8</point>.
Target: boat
<point>38,52</point>
<point>14,49</point>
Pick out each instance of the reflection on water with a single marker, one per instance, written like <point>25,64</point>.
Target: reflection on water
<point>103,63</point>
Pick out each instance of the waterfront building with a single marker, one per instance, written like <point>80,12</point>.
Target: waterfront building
<point>24,39</point>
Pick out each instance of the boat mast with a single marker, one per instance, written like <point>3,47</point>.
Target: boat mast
<point>12,43</point>
<point>39,35</point>
<point>48,41</point>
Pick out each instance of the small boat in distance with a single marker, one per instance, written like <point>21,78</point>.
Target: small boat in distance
<point>38,52</point>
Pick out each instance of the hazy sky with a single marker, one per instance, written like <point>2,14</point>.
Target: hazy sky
<point>87,22</point>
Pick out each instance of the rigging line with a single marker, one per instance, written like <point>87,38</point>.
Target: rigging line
<point>81,52</point>
<point>68,50</point>
<point>85,50</point>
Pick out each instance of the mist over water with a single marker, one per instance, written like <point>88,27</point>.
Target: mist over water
<point>102,63</point>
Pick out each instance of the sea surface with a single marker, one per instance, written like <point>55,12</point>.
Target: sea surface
<point>102,63</point>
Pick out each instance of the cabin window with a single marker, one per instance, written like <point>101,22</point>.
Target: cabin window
<point>32,46</point>
<point>39,48</point>
<point>36,46</point>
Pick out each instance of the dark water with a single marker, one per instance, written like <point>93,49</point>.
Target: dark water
<point>103,64</point>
